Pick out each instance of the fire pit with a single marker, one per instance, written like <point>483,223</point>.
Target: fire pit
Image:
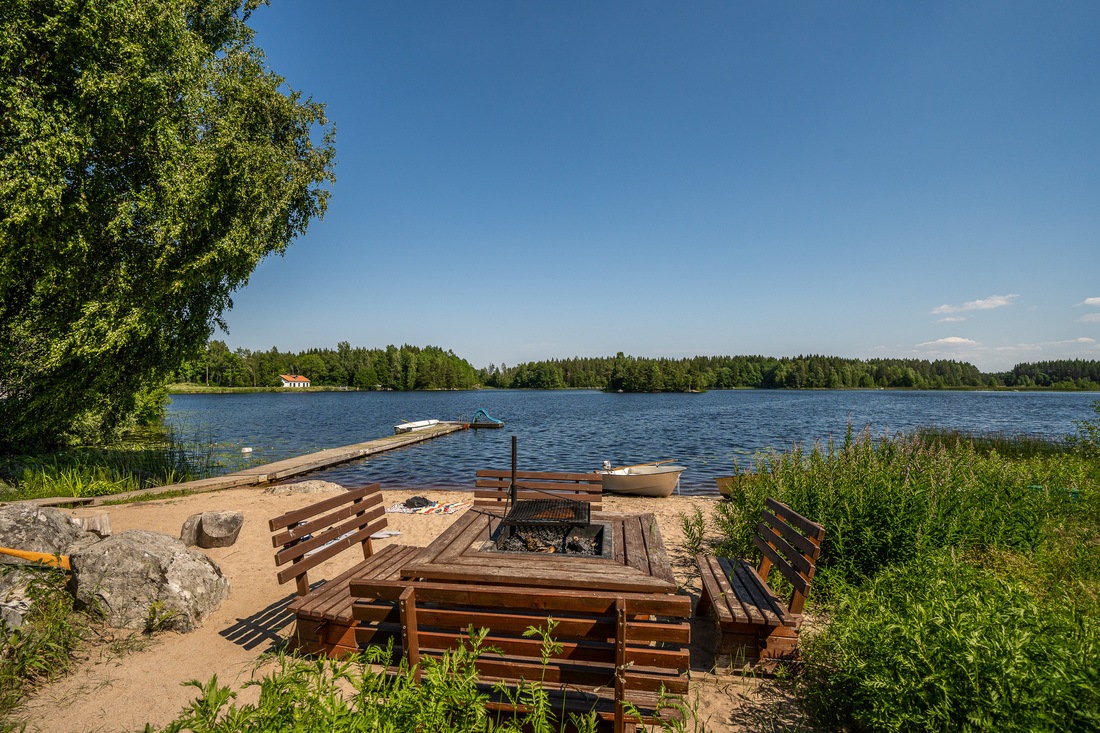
<point>552,526</point>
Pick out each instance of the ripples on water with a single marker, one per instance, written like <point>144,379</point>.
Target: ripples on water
<point>578,430</point>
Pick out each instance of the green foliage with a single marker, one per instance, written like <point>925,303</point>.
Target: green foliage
<point>42,647</point>
<point>155,459</point>
<point>148,162</point>
<point>404,368</point>
<point>944,645</point>
<point>897,499</point>
<point>356,695</point>
<point>640,374</point>
<point>695,529</point>
<point>1086,441</point>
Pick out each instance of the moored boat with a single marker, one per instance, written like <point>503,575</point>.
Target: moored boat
<point>644,479</point>
<point>408,427</point>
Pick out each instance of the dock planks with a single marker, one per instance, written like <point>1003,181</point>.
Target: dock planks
<point>270,472</point>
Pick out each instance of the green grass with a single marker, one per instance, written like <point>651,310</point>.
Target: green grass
<point>41,649</point>
<point>146,459</point>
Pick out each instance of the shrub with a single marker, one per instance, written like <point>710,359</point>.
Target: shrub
<point>943,645</point>
<point>899,498</point>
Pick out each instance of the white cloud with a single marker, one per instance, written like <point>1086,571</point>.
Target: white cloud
<point>1090,318</point>
<point>950,341</point>
<point>1081,340</point>
<point>1090,301</point>
<point>952,319</point>
<point>993,301</point>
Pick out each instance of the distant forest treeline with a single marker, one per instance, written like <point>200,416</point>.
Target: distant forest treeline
<point>634,374</point>
<point>411,367</point>
<point>404,368</point>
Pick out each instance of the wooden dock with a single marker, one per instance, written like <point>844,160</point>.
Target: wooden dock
<point>270,472</point>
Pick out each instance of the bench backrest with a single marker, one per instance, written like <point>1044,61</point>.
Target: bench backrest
<point>644,636</point>
<point>309,536</point>
<point>791,544</point>
<point>492,486</point>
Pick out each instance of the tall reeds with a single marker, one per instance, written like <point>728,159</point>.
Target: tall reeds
<point>894,499</point>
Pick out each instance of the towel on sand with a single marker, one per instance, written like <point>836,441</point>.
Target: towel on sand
<point>434,508</point>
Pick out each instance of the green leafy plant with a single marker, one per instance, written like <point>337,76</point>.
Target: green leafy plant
<point>42,647</point>
<point>948,645</point>
<point>694,526</point>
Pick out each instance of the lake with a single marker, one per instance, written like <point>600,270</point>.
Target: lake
<point>576,430</point>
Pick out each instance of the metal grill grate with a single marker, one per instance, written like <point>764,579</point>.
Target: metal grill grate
<point>547,512</point>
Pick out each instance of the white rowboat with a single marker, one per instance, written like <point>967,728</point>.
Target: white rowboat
<point>408,427</point>
<point>646,479</point>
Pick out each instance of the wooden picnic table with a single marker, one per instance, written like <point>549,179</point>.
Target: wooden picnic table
<point>463,553</point>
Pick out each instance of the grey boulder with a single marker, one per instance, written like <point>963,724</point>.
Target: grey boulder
<point>212,529</point>
<point>147,580</point>
<point>304,487</point>
<point>25,526</point>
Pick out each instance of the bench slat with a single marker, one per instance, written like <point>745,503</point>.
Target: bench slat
<point>795,560</point>
<point>806,546</point>
<point>373,509</point>
<point>743,596</point>
<point>299,549</point>
<point>761,594</point>
<point>293,517</point>
<point>801,585</point>
<point>812,529</point>
<point>589,478</point>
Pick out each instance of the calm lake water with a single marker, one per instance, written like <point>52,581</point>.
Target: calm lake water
<point>577,430</point>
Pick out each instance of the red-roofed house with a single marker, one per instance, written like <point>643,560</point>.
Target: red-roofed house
<point>294,380</point>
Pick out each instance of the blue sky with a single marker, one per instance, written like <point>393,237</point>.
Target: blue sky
<point>520,181</point>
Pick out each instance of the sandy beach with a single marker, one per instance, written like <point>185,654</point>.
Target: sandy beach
<point>121,687</point>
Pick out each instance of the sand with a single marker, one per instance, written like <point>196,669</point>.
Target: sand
<point>120,684</point>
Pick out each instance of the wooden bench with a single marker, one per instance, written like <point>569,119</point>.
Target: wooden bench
<point>492,486</point>
<point>756,627</point>
<point>309,536</point>
<point>614,647</point>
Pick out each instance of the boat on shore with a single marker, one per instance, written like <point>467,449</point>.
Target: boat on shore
<point>656,479</point>
<point>408,427</point>
<point>726,484</point>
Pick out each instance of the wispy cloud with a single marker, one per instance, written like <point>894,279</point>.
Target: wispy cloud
<point>1081,340</point>
<point>952,319</point>
<point>993,301</point>
<point>1090,301</point>
<point>1090,318</point>
<point>950,341</point>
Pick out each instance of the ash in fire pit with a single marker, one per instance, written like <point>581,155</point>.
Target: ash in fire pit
<point>593,540</point>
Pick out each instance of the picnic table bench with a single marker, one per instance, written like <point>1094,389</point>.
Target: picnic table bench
<point>492,486</point>
<point>755,625</point>
<point>307,537</point>
<point>613,648</point>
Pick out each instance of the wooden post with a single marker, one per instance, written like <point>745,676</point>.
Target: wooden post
<point>620,663</point>
<point>409,633</point>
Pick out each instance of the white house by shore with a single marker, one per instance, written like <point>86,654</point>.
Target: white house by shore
<point>294,380</point>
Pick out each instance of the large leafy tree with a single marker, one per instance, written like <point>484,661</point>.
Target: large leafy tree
<point>149,160</point>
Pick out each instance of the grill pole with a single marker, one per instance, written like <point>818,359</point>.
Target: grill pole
<point>512,487</point>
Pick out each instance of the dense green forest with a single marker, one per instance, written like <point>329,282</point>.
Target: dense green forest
<point>635,374</point>
<point>404,368</point>
<point>410,367</point>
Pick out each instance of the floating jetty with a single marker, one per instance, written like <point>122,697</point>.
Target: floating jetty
<point>270,472</point>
